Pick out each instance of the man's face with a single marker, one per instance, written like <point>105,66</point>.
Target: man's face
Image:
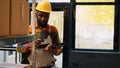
<point>42,18</point>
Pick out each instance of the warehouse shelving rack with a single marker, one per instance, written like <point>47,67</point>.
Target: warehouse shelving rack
<point>5,42</point>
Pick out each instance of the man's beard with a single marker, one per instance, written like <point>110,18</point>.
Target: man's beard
<point>42,24</point>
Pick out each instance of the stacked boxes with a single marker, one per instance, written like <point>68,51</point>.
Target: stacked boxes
<point>4,17</point>
<point>15,17</point>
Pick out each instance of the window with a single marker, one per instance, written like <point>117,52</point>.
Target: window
<point>94,25</point>
<point>95,0</point>
<point>57,21</point>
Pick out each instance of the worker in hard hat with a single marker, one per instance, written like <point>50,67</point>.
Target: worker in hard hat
<point>46,36</point>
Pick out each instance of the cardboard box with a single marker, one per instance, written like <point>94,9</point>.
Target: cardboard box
<point>25,18</point>
<point>4,17</point>
<point>19,17</point>
<point>14,17</point>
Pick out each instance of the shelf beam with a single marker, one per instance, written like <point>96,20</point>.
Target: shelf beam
<point>6,41</point>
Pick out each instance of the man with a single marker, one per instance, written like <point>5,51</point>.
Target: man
<point>46,36</point>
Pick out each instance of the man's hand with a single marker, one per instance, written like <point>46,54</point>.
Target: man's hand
<point>38,43</point>
<point>56,50</point>
<point>50,49</point>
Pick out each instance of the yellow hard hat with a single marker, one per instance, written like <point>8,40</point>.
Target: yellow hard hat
<point>44,6</point>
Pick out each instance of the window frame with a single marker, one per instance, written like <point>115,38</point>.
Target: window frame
<point>116,24</point>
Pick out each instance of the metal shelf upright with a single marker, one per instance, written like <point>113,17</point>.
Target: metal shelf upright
<point>7,41</point>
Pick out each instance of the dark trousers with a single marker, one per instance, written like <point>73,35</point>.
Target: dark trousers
<point>24,58</point>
